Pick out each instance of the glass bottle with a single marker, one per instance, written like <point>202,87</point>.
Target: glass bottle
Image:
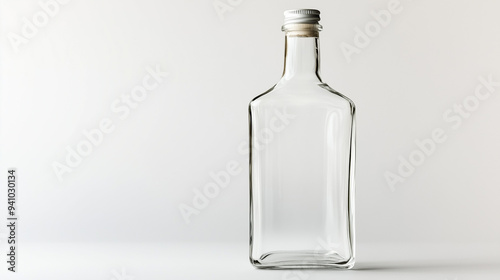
<point>302,152</point>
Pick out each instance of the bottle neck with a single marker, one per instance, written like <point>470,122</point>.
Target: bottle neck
<point>301,58</point>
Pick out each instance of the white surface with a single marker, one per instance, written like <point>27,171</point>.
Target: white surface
<point>230,261</point>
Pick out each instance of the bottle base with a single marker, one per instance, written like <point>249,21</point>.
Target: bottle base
<point>302,259</point>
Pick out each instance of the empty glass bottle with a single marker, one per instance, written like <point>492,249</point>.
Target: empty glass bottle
<point>302,140</point>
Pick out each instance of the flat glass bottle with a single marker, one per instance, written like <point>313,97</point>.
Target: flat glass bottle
<point>302,152</point>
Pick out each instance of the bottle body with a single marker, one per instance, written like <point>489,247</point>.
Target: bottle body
<point>302,186</point>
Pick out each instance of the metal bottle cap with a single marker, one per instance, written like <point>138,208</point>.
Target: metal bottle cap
<point>302,16</point>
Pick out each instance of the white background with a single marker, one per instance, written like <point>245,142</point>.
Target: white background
<point>65,78</point>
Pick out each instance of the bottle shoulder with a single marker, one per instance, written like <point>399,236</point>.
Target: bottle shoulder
<point>327,88</point>
<point>303,94</point>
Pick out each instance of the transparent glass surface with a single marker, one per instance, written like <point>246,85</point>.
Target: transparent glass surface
<point>302,144</point>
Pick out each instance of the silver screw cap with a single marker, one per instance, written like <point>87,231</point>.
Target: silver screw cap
<point>302,16</point>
